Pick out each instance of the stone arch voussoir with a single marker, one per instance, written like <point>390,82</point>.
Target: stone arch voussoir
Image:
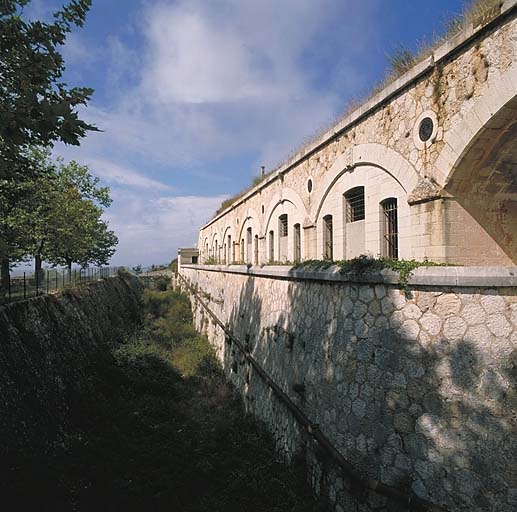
<point>375,155</point>
<point>459,139</point>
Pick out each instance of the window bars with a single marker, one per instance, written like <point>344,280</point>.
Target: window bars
<point>390,228</point>
<point>354,200</point>
<point>282,225</point>
<point>328,242</point>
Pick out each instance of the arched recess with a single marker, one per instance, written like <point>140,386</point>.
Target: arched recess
<point>469,125</point>
<point>251,220</point>
<point>481,213</point>
<point>215,246</point>
<point>227,242</point>
<point>206,248</point>
<point>373,155</point>
<point>286,202</point>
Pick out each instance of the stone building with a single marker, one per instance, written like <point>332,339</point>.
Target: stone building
<point>427,168</point>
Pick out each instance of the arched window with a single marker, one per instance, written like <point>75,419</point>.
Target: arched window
<point>282,225</point>
<point>229,248</point>
<point>390,235</point>
<point>242,250</point>
<point>271,246</point>
<point>354,204</point>
<point>249,240</point>
<point>256,251</point>
<point>328,238</point>
<point>282,237</point>
<point>297,243</point>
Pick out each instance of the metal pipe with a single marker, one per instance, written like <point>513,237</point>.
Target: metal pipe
<point>413,502</point>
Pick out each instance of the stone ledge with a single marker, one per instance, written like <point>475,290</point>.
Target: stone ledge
<point>479,277</point>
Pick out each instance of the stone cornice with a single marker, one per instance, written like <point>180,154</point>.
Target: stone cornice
<point>478,277</point>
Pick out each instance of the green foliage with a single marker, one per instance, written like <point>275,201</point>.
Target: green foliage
<point>173,265</point>
<point>211,260</point>
<point>159,428</point>
<point>58,218</point>
<point>313,264</point>
<point>364,264</point>
<point>36,106</point>
<point>137,269</point>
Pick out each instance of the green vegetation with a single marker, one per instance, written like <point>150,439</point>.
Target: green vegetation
<point>366,264</point>
<point>46,209</point>
<point>36,107</point>
<point>58,217</point>
<point>159,429</point>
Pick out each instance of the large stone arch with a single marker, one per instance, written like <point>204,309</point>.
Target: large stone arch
<point>228,252</point>
<point>375,155</point>
<point>286,201</point>
<point>250,220</point>
<point>481,194</point>
<point>460,139</point>
<point>285,195</point>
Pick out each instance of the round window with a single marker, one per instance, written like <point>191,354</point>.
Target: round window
<point>309,186</point>
<point>425,130</point>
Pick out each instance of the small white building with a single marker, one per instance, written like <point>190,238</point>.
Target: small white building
<point>187,256</point>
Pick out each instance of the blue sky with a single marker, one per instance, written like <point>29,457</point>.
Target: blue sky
<point>193,96</point>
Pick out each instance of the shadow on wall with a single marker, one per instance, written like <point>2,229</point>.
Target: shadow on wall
<point>416,393</point>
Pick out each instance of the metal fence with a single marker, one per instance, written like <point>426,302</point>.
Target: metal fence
<point>32,284</point>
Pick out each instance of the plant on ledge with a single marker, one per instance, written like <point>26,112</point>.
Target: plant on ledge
<point>364,264</point>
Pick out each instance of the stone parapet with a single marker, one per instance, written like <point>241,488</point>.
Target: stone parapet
<point>480,277</point>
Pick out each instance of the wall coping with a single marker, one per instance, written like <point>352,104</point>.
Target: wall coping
<point>479,277</point>
<point>441,53</point>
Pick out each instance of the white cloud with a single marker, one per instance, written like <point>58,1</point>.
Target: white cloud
<point>217,79</point>
<point>113,173</point>
<point>150,230</point>
<point>214,80</point>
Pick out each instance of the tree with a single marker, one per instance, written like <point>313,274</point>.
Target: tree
<point>36,107</point>
<point>80,236</point>
<point>47,211</point>
<point>66,227</point>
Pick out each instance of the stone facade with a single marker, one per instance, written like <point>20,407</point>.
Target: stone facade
<point>454,195</point>
<point>416,390</point>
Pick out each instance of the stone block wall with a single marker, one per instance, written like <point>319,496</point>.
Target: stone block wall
<point>50,347</point>
<point>416,390</point>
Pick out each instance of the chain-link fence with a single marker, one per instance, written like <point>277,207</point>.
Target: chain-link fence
<point>32,284</point>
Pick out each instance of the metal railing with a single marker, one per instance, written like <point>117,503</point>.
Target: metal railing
<point>32,284</point>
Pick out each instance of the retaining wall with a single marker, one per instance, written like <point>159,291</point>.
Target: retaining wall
<point>49,348</point>
<point>416,390</point>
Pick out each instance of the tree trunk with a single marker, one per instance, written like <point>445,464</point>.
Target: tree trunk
<point>39,274</point>
<point>4,277</point>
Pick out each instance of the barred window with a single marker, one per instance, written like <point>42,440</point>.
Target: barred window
<point>328,242</point>
<point>354,202</point>
<point>297,248</point>
<point>390,236</point>
<point>282,225</point>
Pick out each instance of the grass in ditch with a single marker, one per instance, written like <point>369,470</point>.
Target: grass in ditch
<point>161,431</point>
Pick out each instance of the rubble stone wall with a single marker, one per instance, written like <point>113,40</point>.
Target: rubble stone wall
<point>416,388</point>
<point>468,88</point>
